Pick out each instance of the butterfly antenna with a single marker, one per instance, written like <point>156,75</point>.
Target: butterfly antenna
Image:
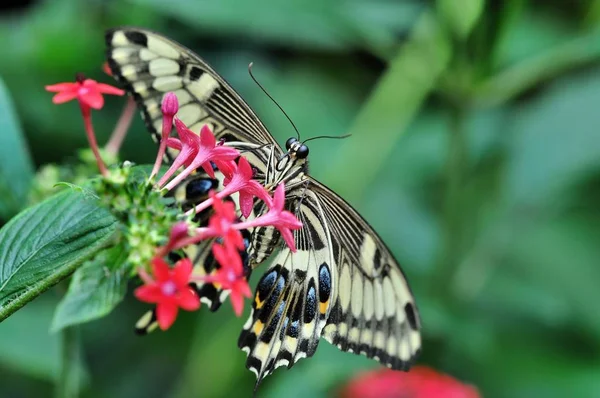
<point>335,137</point>
<point>272,99</point>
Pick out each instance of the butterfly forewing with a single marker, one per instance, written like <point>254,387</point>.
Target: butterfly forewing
<point>149,65</point>
<point>356,299</point>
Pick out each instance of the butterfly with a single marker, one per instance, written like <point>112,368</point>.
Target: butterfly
<point>342,283</point>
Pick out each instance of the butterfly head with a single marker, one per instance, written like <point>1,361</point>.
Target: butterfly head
<point>296,149</point>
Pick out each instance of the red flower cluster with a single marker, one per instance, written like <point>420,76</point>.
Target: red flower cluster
<point>202,151</point>
<point>419,382</point>
<point>168,287</point>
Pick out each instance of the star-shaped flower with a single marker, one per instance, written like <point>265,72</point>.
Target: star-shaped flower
<point>169,290</point>
<point>87,91</point>
<point>277,217</point>
<point>230,276</point>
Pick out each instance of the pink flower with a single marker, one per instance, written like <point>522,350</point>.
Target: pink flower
<point>196,152</point>
<point>420,382</point>
<point>87,91</point>
<point>169,290</point>
<point>221,223</point>
<point>230,276</point>
<point>277,217</point>
<point>179,233</point>
<point>240,180</point>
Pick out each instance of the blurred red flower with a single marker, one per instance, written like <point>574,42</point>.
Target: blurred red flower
<point>87,91</point>
<point>419,382</point>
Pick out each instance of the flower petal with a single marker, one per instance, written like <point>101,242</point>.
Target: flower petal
<point>160,269</point>
<point>64,96</point>
<point>244,169</point>
<point>108,89</point>
<point>227,167</point>
<point>174,143</point>
<point>181,272</point>
<point>279,197</point>
<point>237,301</point>
<point>246,203</point>
<point>288,237</point>
<point>166,313</point>
<point>207,139</point>
<point>56,88</point>
<point>148,293</point>
<point>244,288</point>
<point>219,253</point>
<point>188,300</point>
<point>208,169</point>
<point>92,98</point>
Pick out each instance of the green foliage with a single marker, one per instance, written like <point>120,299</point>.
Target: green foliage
<point>474,153</point>
<point>461,18</point>
<point>95,289</point>
<point>46,243</point>
<point>16,168</point>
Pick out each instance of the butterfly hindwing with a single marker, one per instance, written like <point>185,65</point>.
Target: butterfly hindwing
<point>373,311</point>
<point>291,302</point>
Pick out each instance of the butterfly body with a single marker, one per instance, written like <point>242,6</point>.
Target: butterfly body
<point>342,283</point>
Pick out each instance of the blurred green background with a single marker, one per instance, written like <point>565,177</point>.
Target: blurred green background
<point>475,153</point>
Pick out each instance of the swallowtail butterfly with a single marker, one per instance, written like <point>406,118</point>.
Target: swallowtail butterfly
<point>342,284</point>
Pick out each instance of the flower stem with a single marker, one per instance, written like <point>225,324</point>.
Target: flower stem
<point>68,383</point>
<point>159,157</point>
<point>452,236</point>
<point>118,135</point>
<point>89,130</point>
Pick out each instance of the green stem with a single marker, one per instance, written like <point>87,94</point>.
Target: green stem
<point>455,169</point>
<point>592,17</point>
<point>68,383</point>
<point>524,75</point>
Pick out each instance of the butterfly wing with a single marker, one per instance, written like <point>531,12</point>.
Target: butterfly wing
<point>149,65</point>
<point>373,309</point>
<point>342,284</point>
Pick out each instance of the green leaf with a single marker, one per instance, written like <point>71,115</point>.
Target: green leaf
<point>96,288</point>
<point>16,168</point>
<point>461,18</point>
<point>46,243</point>
<point>539,67</point>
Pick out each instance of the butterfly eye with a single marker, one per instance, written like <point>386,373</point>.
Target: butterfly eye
<point>289,142</point>
<point>302,152</point>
